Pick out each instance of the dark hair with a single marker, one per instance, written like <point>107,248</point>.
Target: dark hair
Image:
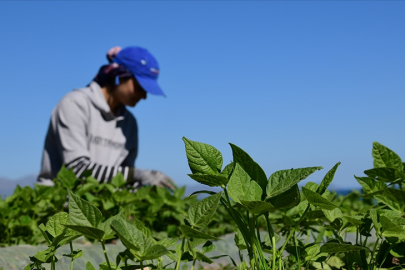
<point>108,74</point>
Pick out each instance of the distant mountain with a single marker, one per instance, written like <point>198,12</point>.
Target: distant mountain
<point>7,186</point>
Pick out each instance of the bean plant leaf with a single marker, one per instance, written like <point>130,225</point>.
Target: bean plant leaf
<point>227,171</point>
<point>82,213</point>
<point>317,200</point>
<point>327,179</point>
<point>55,225</point>
<point>255,191</point>
<point>383,174</point>
<point>87,231</point>
<point>208,247</point>
<point>203,158</point>
<point>287,199</point>
<point>370,185</point>
<point>193,233</point>
<point>333,214</point>
<point>210,179</point>
<point>118,180</point>
<point>128,234</point>
<point>203,258</point>
<point>385,157</point>
<point>106,226</point>
<point>283,180</point>
<point>374,218</point>
<point>154,252</point>
<point>340,248</point>
<point>112,266</point>
<point>42,228</point>
<point>239,184</point>
<point>200,213</point>
<point>257,207</point>
<point>390,229</point>
<point>249,165</point>
<point>67,177</point>
<point>393,198</point>
<point>89,266</point>
<point>74,254</point>
<point>355,220</point>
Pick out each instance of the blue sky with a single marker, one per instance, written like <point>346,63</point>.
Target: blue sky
<point>294,84</point>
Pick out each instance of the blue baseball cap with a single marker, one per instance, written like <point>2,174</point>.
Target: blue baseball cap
<point>143,66</point>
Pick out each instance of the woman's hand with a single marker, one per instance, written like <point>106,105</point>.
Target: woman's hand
<point>154,178</point>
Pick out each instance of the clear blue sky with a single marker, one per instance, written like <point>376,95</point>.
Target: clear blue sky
<point>294,83</point>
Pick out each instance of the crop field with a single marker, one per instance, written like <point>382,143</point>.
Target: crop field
<point>256,221</point>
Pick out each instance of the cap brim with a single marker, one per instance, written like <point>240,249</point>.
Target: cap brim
<point>150,85</point>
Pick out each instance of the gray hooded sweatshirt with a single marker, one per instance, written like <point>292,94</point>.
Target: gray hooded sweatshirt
<point>84,134</point>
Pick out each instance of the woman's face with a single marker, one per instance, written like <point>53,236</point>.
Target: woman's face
<point>129,92</point>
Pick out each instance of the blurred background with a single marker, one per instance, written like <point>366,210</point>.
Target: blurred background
<point>294,84</point>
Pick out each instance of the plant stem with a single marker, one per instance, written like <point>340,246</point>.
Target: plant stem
<point>373,252</point>
<point>292,231</point>
<point>273,243</point>
<point>53,263</point>
<point>71,252</point>
<point>141,265</point>
<point>296,250</point>
<point>105,255</point>
<point>273,240</point>
<point>181,253</point>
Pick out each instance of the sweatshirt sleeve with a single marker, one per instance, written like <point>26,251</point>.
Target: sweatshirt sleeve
<point>70,128</point>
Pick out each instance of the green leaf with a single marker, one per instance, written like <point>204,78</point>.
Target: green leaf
<point>154,252</point>
<point>374,218</point>
<point>227,171</point>
<point>203,158</point>
<point>257,207</point>
<point>168,242</point>
<point>208,247</point>
<point>82,212</point>
<point>89,266</point>
<point>203,258</point>
<point>255,191</point>
<point>210,179</point>
<point>385,157</point>
<point>390,229</point>
<point>67,177</point>
<point>249,166</point>
<point>87,231</point>
<point>355,220</point>
<point>317,200</point>
<point>200,213</point>
<point>287,199</point>
<point>283,180</point>
<point>193,233</point>
<point>74,254</point>
<point>340,248</point>
<point>239,184</point>
<point>393,198</point>
<point>370,185</point>
<point>42,228</point>
<point>66,239</point>
<point>327,179</point>
<point>106,226</point>
<point>142,228</point>
<point>383,174</point>
<point>56,224</point>
<point>130,236</point>
<point>104,266</point>
<point>331,215</point>
<point>118,180</point>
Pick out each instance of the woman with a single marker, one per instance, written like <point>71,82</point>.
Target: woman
<point>91,129</point>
